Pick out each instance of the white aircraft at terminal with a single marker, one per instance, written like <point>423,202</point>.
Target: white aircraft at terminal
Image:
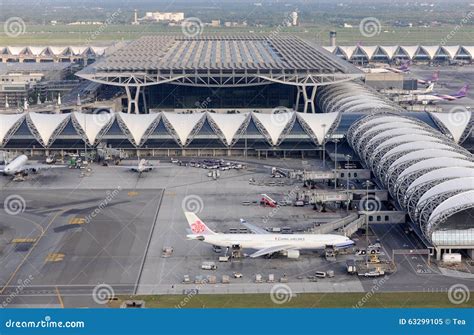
<point>264,242</point>
<point>142,166</point>
<point>20,165</point>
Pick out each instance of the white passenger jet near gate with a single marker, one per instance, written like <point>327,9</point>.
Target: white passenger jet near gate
<point>142,166</point>
<point>264,242</point>
<point>20,166</point>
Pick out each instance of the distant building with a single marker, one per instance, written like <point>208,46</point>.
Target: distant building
<point>165,16</point>
<point>18,80</point>
<point>215,23</point>
<point>294,18</point>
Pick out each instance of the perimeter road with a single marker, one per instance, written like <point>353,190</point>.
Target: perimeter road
<point>148,242</point>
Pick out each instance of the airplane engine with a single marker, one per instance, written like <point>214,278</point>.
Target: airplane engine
<point>293,254</point>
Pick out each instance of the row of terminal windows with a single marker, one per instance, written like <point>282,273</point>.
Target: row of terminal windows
<point>349,175</point>
<point>379,218</point>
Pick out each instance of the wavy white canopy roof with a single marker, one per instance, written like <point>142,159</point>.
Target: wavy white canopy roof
<point>46,126</point>
<point>274,124</point>
<point>451,50</point>
<point>439,174</point>
<point>347,50</point>
<point>229,124</point>
<point>369,50</point>
<point>7,123</point>
<point>453,203</point>
<point>315,123</point>
<point>92,126</point>
<point>455,122</point>
<point>452,185</point>
<point>56,50</point>
<point>411,50</point>
<point>139,125</point>
<point>436,163</point>
<point>414,161</point>
<point>183,124</point>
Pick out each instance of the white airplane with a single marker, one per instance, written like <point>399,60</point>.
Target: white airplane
<point>397,91</point>
<point>433,79</point>
<point>142,166</point>
<point>19,166</point>
<point>264,242</point>
<point>403,68</point>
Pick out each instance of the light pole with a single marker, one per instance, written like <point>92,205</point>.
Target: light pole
<point>367,213</point>
<point>324,144</point>
<point>348,158</point>
<point>335,163</point>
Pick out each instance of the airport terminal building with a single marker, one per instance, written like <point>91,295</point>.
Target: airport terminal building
<point>270,95</point>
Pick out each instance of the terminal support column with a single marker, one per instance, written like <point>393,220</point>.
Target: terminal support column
<point>308,99</point>
<point>133,100</point>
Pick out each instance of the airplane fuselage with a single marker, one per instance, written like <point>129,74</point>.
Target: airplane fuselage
<point>16,165</point>
<point>259,241</point>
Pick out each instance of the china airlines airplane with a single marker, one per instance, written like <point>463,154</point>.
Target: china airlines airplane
<point>264,242</point>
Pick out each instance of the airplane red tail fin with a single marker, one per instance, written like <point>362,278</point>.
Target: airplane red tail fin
<point>197,226</point>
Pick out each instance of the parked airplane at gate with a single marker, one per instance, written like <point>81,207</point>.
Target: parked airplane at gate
<point>397,91</point>
<point>20,166</point>
<point>264,242</point>
<point>427,98</point>
<point>428,81</point>
<point>403,68</point>
<point>142,166</point>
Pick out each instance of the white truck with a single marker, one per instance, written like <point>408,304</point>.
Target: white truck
<point>209,266</point>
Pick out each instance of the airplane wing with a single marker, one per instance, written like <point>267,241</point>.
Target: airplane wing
<point>128,167</point>
<point>41,167</point>
<point>252,228</point>
<point>271,250</point>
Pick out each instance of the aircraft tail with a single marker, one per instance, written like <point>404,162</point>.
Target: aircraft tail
<point>405,66</point>
<point>430,88</point>
<point>463,91</point>
<point>196,224</point>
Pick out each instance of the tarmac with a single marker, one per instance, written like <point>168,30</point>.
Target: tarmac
<point>109,227</point>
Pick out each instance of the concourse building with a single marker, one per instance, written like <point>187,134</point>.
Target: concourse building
<point>253,95</point>
<point>172,72</point>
